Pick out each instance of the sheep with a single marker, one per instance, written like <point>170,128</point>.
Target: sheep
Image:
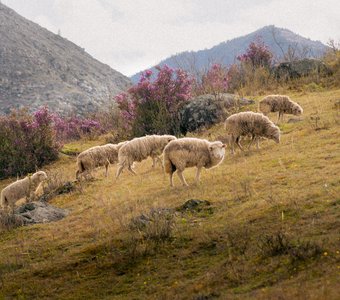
<point>191,152</point>
<point>255,125</point>
<point>281,104</point>
<point>20,189</point>
<point>96,157</point>
<point>141,148</point>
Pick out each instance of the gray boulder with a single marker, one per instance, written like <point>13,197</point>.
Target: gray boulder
<point>206,110</point>
<point>300,68</point>
<point>39,212</point>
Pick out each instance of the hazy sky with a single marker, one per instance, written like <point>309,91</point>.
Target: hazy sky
<point>131,35</point>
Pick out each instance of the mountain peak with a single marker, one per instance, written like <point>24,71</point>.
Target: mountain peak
<point>279,40</point>
<point>38,67</point>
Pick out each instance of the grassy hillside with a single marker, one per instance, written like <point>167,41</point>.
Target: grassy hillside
<point>272,231</point>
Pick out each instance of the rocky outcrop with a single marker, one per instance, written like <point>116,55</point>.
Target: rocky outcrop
<point>206,110</point>
<point>38,68</point>
<point>300,68</point>
<point>39,212</point>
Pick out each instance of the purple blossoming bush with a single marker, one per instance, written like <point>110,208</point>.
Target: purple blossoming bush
<point>152,106</point>
<point>214,81</point>
<point>29,141</point>
<point>26,142</point>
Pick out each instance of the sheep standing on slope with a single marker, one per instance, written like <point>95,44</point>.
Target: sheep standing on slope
<point>251,124</point>
<point>141,148</point>
<point>191,152</point>
<point>281,104</point>
<point>97,156</point>
<point>20,189</point>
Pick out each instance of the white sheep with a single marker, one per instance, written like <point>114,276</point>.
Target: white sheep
<point>255,125</point>
<point>23,188</point>
<point>281,104</point>
<point>191,152</point>
<point>141,148</point>
<point>97,156</point>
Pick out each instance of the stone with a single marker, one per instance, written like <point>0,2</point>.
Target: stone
<point>39,212</point>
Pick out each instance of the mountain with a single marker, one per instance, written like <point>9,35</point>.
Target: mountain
<point>38,68</point>
<point>284,44</point>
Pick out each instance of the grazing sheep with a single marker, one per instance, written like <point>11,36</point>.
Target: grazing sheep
<point>281,104</point>
<point>21,188</point>
<point>97,156</point>
<point>255,125</point>
<point>141,148</point>
<point>191,152</point>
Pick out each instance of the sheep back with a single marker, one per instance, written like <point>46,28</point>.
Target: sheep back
<point>141,148</point>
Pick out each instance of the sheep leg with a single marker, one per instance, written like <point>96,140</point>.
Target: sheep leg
<point>119,170</point>
<point>257,143</point>
<point>154,158</point>
<point>232,144</point>
<point>107,168</point>
<point>131,170</point>
<point>181,177</point>
<point>238,143</point>
<point>251,141</point>
<point>171,175</point>
<point>278,117</point>
<point>198,172</point>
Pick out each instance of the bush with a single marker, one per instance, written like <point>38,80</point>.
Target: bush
<point>27,142</point>
<point>151,107</point>
<point>74,128</point>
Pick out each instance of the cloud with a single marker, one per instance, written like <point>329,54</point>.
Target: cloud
<point>131,35</point>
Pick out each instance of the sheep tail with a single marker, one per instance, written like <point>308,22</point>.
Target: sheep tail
<point>169,167</point>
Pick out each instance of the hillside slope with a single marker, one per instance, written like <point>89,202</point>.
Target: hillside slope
<point>272,231</point>
<point>279,40</point>
<point>38,68</point>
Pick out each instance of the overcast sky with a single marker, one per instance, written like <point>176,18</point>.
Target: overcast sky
<point>131,35</point>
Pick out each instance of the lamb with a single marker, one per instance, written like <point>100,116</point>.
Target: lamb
<point>20,189</point>
<point>191,152</point>
<point>141,148</point>
<point>255,125</point>
<point>97,156</point>
<point>281,104</point>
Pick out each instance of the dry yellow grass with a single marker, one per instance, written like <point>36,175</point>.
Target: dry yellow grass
<point>292,188</point>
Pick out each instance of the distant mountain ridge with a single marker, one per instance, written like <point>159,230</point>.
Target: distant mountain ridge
<point>278,40</point>
<point>38,68</point>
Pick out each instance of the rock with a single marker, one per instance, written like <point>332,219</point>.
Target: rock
<point>194,205</point>
<point>206,110</point>
<point>39,212</point>
<point>300,68</point>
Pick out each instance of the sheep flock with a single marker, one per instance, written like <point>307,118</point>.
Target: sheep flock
<point>178,153</point>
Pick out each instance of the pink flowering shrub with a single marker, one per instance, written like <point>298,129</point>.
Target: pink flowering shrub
<point>257,55</point>
<point>27,142</point>
<point>214,81</point>
<point>74,128</point>
<point>152,106</point>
